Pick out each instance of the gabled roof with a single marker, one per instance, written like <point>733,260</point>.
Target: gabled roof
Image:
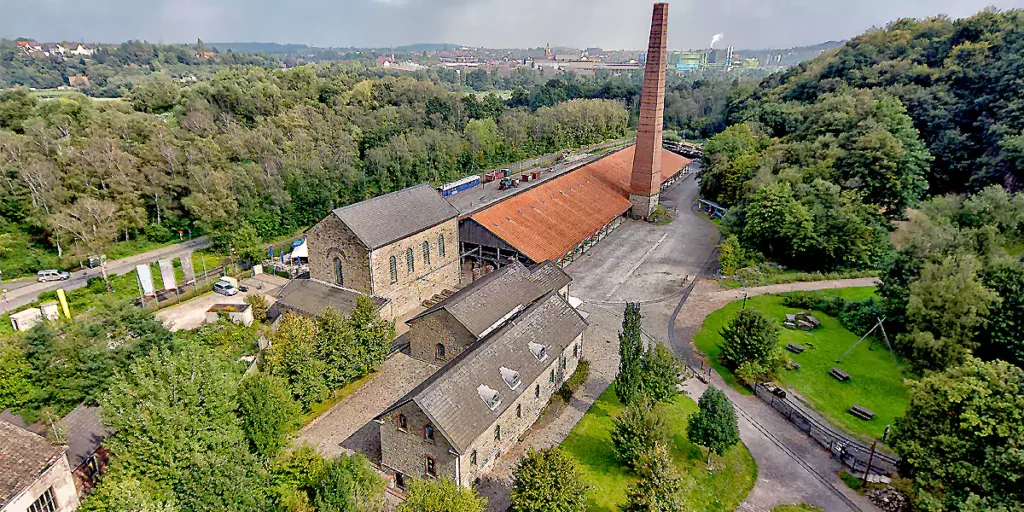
<point>312,297</point>
<point>23,457</point>
<point>493,297</point>
<point>547,221</point>
<point>85,432</point>
<point>450,397</point>
<point>390,217</point>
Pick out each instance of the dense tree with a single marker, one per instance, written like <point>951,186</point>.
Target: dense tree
<point>293,356</point>
<point>440,495</point>
<point>659,487</point>
<point>548,480</point>
<point>961,438</point>
<point>15,373</point>
<point>1003,336</point>
<point>751,337</point>
<point>268,413</point>
<point>348,484</point>
<point>636,431</point>
<point>629,381</point>
<point>660,371</point>
<point>714,424</point>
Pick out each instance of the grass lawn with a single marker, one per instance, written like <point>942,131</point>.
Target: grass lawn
<point>796,508</point>
<point>336,397</point>
<point>876,383</point>
<point>590,444</point>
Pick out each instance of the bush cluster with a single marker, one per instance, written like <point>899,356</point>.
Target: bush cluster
<point>856,316</point>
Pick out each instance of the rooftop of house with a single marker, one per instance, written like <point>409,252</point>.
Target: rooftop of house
<point>390,217</point>
<point>24,456</point>
<point>230,308</point>
<point>486,301</point>
<point>85,432</point>
<point>312,297</point>
<point>547,221</point>
<point>460,397</point>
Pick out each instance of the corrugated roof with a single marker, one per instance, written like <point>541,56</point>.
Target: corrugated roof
<point>549,220</point>
<point>390,217</point>
<point>312,297</point>
<point>489,299</point>
<point>23,457</point>
<point>85,432</point>
<point>450,398</point>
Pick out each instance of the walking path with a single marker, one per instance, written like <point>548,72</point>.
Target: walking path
<point>27,294</point>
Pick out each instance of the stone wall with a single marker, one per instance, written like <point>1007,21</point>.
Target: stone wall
<point>331,238</point>
<point>57,476</point>
<point>438,327</point>
<point>406,451</point>
<point>426,280</point>
<point>513,426</point>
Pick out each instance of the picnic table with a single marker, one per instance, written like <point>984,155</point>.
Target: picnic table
<point>795,348</point>
<point>862,412</point>
<point>839,374</point>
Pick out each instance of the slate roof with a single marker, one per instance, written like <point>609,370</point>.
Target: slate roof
<point>85,432</point>
<point>449,397</point>
<point>23,457</point>
<point>390,217</point>
<point>311,297</point>
<point>487,300</point>
<point>547,221</point>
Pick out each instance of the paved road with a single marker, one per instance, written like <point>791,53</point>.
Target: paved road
<point>26,294</point>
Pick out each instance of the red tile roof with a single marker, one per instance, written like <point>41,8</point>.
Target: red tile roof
<point>549,220</point>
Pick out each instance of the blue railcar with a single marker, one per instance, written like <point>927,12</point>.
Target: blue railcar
<point>455,187</point>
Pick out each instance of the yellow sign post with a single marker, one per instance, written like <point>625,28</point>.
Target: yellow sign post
<point>64,302</point>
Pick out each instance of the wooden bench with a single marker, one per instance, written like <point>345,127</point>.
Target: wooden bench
<point>861,412</point>
<point>839,374</point>
<point>794,348</point>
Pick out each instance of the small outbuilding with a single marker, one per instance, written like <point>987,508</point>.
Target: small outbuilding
<point>237,313</point>
<point>27,319</point>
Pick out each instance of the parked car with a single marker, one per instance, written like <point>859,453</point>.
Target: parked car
<point>225,288</point>
<point>52,275</point>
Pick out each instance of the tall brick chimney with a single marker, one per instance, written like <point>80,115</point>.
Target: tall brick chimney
<point>645,183</point>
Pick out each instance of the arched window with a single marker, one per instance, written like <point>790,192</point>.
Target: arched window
<point>536,391</point>
<point>519,410</point>
<point>410,261</point>
<point>440,246</point>
<point>394,269</point>
<point>439,351</point>
<point>472,458</point>
<point>339,275</point>
<point>403,423</point>
<point>426,253</point>
<point>497,432</point>
<point>428,432</point>
<point>431,469</point>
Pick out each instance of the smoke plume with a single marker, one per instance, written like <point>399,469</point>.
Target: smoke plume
<point>716,38</point>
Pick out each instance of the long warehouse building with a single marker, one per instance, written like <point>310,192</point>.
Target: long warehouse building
<point>560,219</point>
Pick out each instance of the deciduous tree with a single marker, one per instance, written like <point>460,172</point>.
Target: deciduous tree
<point>714,425</point>
<point>659,487</point>
<point>548,480</point>
<point>750,336</point>
<point>440,495</point>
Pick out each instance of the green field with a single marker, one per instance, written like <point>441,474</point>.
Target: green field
<point>796,508</point>
<point>590,444</point>
<point>876,382</point>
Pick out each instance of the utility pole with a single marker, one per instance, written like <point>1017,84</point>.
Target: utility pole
<point>871,458</point>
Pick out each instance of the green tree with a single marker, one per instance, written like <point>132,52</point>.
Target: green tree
<point>1003,337</point>
<point>440,495</point>
<point>628,382</point>
<point>660,371</point>
<point>15,383</point>
<point>714,425</point>
<point>731,255</point>
<point>154,94</point>
<point>372,334</point>
<point>960,440</point>
<point>293,355</point>
<point>268,413</point>
<point>659,487</point>
<point>120,491</point>
<point>348,484</point>
<point>548,480</point>
<point>750,336</point>
<point>636,431</point>
<point>777,225</point>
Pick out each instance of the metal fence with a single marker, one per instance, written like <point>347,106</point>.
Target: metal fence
<point>851,452</point>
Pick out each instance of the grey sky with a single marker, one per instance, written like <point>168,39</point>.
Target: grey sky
<point>493,23</point>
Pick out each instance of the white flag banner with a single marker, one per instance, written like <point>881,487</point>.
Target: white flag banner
<point>145,279</point>
<point>167,274</point>
<point>187,268</point>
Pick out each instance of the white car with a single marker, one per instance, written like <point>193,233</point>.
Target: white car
<point>224,288</point>
<point>52,275</point>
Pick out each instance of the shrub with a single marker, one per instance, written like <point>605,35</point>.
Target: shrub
<point>751,372</point>
<point>636,432</point>
<point>157,233</point>
<point>440,495</point>
<point>851,481</point>
<point>732,256</point>
<point>548,480</point>
<point>94,285</point>
<point>660,374</point>
<point>258,303</point>
<point>751,336</point>
<point>578,378</point>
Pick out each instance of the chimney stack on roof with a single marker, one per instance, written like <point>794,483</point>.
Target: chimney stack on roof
<point>645,184</point>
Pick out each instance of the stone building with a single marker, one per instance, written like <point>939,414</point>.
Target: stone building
<point>400,248</point>
<point>34,474</point>
<point>491,389</point>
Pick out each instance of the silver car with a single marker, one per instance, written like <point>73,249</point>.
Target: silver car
<point>52,275</point>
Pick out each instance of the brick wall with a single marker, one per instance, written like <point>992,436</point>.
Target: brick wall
<point>331,238</point>
<point>646,177</point>
<point>426,280</point>
<point>406,451</point>
<point>438,327</point>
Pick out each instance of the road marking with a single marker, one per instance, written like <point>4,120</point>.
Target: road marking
<point>638,263</point>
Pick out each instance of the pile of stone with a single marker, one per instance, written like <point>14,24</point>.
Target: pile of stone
<point>888,499</point>
<point>802,321</point>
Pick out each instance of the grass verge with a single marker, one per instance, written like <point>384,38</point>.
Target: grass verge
<point>796,508</point>
<point>876,381</point>
<point>590,444</point>
<point>336,397</point>
<point>792,276</point>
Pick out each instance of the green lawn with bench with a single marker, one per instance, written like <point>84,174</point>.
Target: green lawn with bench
<point>875,381</point>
